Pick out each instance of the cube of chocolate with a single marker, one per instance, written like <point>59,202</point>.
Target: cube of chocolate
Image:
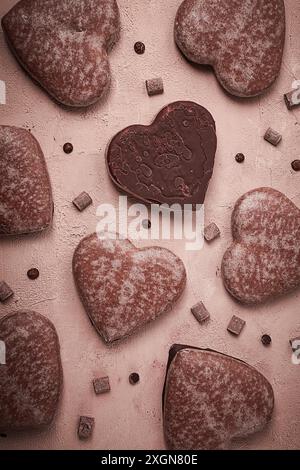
<point>273,137</point>
<point>211,232</point>
<point>200,312</point>
<point>236,325</point>
<point>295,343</point>
<point>85,427</point>
<point>5,291</point>
<point>292,98</point>
<point>101,385</point>
<point>155,86</point>
<point>82,201</point>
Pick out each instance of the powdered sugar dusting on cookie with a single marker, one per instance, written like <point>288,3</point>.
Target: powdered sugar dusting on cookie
<point>63,44</point>
<point>123,288</point>
<point>264,260</point>
<point>31,380</point>
<point>26,204</point>
<point>242,40</point>
<point>211,399</point>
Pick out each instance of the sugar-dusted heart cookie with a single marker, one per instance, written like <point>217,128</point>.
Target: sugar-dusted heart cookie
<point>170,161</point>
<point>64,45</point>
<point>242,40</point>
<point>31,374</point>
<point>264,258</point>
<point>211,399</point>
<point>124,288</point>
<point>26,204</point>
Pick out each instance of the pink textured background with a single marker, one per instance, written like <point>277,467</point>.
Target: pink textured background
<point>130,417</point>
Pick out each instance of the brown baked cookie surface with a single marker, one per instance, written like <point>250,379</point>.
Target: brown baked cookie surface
<point>123,288</point>
<point>170,161</point>
<point>26,204</point>
<point>64,45</point>
<point>264,259</point>
<point>210,399</point>
<point>242,40</point>
<point>31,377</point>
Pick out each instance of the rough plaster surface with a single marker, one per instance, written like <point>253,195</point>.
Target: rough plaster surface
<point>130,417</point>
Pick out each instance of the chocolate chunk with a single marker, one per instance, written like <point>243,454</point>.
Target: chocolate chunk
<point>236,325</point>
<point>82,201</point>
<point>200,313</point>
<point>266,340</point>
<point>86,427</point>
<point>139,47</point>
<point>146,223</point>
<point>170,161</point>
<point>33,273</point>
<point>292,98</point>
<point>155,86</point>
<point>296,165</point>
<point>211,232</point>
<point>240,157</point>
<point>273,137</point>
<point>5,291</point>
<point>134,378</point>
<point>101,385</point>
<point>295,343</point>
<point>68,148</point>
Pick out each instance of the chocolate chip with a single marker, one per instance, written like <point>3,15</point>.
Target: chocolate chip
<point>200,312</point>
<point>68,148</point>
<point>85,427</point>
<point>134,378</point>
<point>236,325</point>
<point>211,232</point>
<point>139,47</point>
<point>155,86</point>
<point>33,273</point>
<point>240,157</point>
<point>101,385</point>
<point>3,435</point>
<point>146,223</point>
<point>82,201</point>
<point>292,98</point>
<point>273,137</point>
<point>5,291</point>
<point>266,340</point>
<point>296,165</point>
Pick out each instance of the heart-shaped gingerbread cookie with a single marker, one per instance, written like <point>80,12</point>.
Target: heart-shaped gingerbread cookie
<point>242,40</point>
<point>264,259</point>
<point>210,399</point>
<point>124,288</point>
<point>31,374</point>
<point>170,161</point>
<point>26,204</point>
<point>64,45</point>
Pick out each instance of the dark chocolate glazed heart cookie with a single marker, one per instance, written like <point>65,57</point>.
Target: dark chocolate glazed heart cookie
<point>242,40</point>
<point>170,161</point>
<point>64,45</point>
<point>263,261</point>
<point>26,204</point>
<point>122,287</point>
<point>210,399</point>
<point>31,372</point>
